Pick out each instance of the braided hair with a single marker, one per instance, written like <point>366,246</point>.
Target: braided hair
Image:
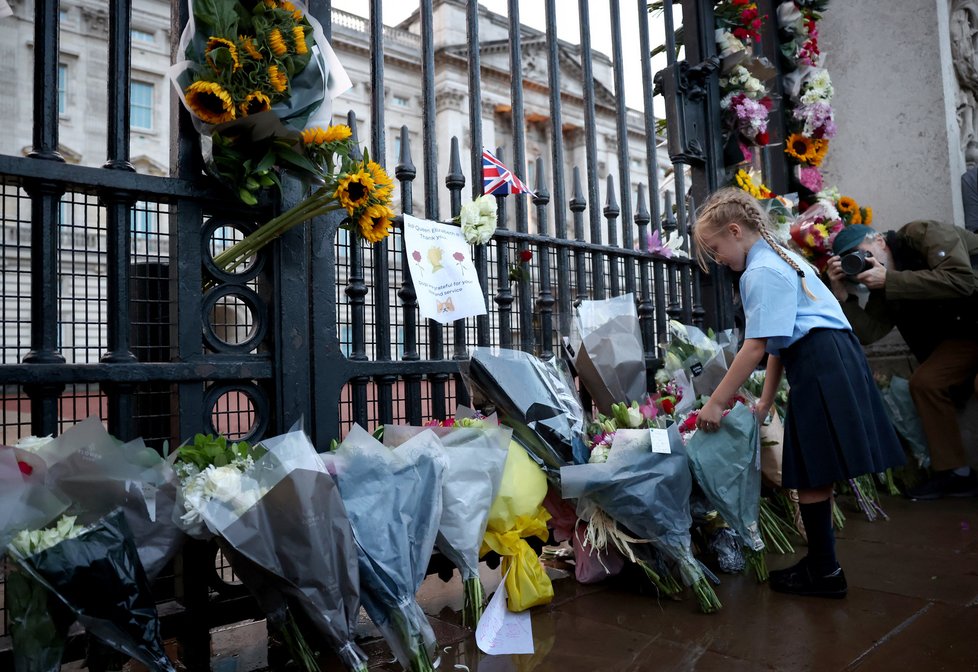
<point>729,205</point>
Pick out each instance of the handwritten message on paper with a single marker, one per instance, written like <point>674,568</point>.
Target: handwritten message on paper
<point>441,267</point>
<point>501,631</point>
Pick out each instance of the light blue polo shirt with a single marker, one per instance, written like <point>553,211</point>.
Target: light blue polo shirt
<point>775,305</point>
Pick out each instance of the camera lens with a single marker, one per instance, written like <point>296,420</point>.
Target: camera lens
<point>854,263</point>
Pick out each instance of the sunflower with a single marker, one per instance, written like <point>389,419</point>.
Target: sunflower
<point>821,149</point>
<point>354,190</point>
<point>217,43</point>
<point>800,148</point>
<point>211,103</point>
<point>276,43</point>
<point>322,136</point>
<point>289,7</point>
<point>867,216</point>
<point>857,218</point>
<point>847,205</point>
<point>385,185</point>
<point>375,223</point>
<point>278,79</point>
<point>299,36</point>
<point>249,47</point>
<point>255,102</point>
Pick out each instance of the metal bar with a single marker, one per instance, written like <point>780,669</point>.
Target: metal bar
<point>646,313</point>
<point>545,299</point>
<point>611,212</point>
<point>591,146</point>
<point>481,256</point>
<point>45,196</point>
<point>697,311</point>
<point>455,181</point>
<point>504,291</point>
<point>577,206</point>
<point>557,149</point>
<point>118,205</point>
<point>652,161</point>
<point>624,159</point>
<point>356,290</point>
<point>227,367</point>
<point>519,168</point>
<point>405,173</point>
<point>381,270</point>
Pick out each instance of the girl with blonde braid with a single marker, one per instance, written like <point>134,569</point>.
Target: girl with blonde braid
<point>836,427</point>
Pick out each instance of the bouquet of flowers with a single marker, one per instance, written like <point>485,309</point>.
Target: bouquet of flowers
<point>702,357</point>
<point>646,489</point>
<point>517,514</point>
<point>610,357</point>
<point>535,398</point>
<point>727,465</point>
<point>815,230</point>
<point>476,450</point>
<point>280,520</point>
<point>258,82</point>
<point>739,17</point>
<point>100,474</point>
<point>394,501</point>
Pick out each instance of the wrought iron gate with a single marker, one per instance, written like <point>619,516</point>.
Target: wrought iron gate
<point>318,329</point>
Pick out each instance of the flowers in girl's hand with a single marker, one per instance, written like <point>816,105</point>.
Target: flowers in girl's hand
<point>478,220</point>
<point>31,542</point>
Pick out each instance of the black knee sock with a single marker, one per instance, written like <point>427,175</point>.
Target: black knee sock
<point>821,537</point>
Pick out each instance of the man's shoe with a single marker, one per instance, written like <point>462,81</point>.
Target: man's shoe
<point>946,484</point>
<point>798,580</point>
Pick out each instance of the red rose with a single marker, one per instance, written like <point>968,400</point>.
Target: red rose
<point>668,406</point>
<point>526,255</point>
<point>763,138</point>
<point>25,468</point>
<point>740,33</point>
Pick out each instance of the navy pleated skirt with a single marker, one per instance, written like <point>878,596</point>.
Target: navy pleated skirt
<point>836,427</point>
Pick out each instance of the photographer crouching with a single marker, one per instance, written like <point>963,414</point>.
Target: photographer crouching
<point>922,280</point>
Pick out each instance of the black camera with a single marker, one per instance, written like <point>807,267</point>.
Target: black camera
<point>854,263</point>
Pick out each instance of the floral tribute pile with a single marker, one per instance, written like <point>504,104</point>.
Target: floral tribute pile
<point>812,215</point>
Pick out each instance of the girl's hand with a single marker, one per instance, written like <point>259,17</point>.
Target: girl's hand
<point>709,418</point>
<point>762,409</point>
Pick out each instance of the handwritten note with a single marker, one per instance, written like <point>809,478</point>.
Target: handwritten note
<point>660,441</point>
<point>445,279</point>
<point>501,631</point>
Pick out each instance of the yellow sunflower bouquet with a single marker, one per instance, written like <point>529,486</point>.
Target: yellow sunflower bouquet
<point>256,74</point>
<point>344,181</point>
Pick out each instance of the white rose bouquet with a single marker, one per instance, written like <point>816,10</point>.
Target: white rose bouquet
<point>478,220</point>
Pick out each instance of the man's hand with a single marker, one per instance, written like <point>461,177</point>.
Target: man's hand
<point>873,277</point>
<point>837,278</point>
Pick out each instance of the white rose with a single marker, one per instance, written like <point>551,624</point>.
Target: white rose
<point>32,443</point>
<point>478,220</point>
<point>599,454</point>
<point>223,483</point>
<point>634,416</point>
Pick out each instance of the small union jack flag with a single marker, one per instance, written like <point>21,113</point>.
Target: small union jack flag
<point>499,180</point>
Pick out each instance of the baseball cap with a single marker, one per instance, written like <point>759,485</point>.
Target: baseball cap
<point>850,237</point>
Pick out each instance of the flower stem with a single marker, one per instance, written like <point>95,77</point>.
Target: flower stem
<point>474,602</point>
<point>666,585</point>
<point>706,597</point>
<point>757,563</point>
<point>319,203</point>
<point>296,644</point>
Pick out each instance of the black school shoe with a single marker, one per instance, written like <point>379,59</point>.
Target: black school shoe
<point>798,580</point>
<point>946,484</point>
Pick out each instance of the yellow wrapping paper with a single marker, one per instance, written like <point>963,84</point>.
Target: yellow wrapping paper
<point>516,514</point>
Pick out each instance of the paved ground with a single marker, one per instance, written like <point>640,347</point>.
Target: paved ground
<point>912,605</point>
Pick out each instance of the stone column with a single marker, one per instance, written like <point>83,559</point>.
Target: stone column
<point>898,146</point>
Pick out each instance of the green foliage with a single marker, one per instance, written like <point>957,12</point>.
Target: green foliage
<point>208,450</point>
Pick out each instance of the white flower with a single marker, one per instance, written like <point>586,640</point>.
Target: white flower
<point>478,220</point>
<point>32,443</point>
<point>222,483</point>
<point>31,542</point>
<point>599,454</point>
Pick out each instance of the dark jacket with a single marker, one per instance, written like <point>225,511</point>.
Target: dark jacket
<point>931,294</point>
